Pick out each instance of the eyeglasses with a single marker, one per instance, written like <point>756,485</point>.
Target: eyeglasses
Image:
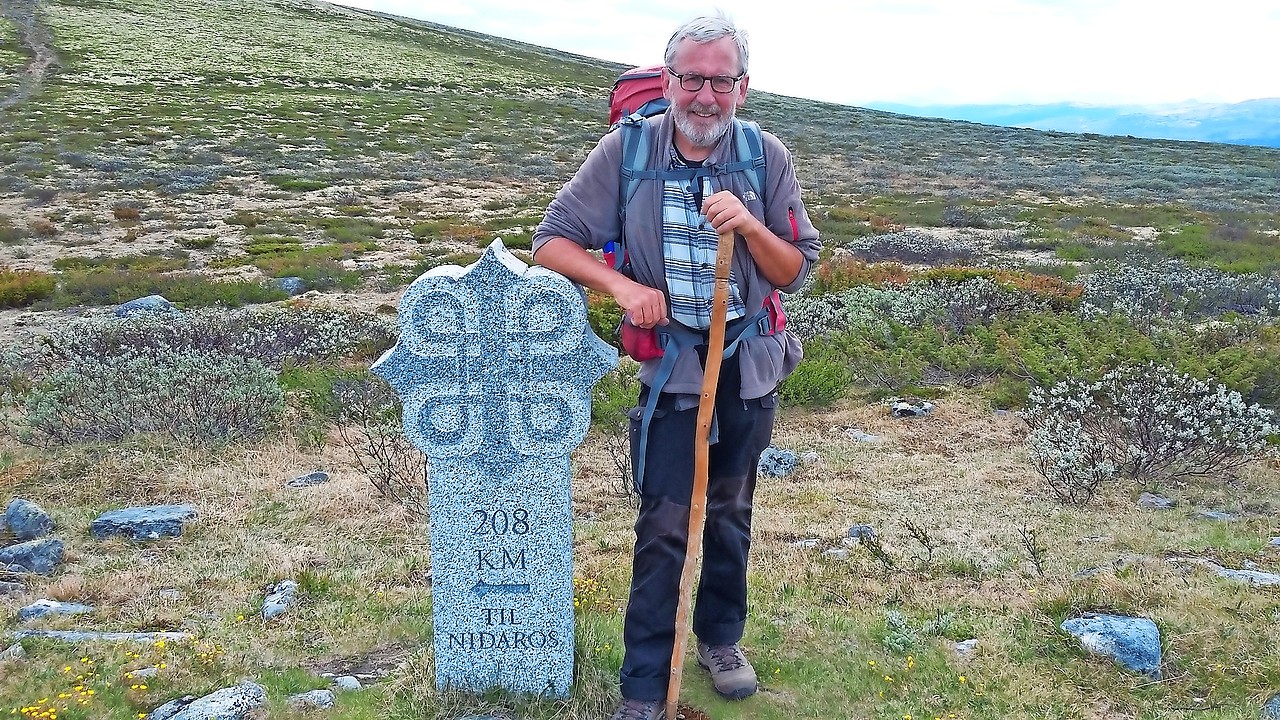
<point>693,82</point>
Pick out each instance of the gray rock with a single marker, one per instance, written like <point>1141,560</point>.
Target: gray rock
<point>966,648</point>
<point>1271,711</point>
<point>12,588</point>
<point>810,457</point>
<point>14,652</point>
<point>1252,577</point>
<point>41,608</point>
<point>776,462</point>
<point>1275,542</point>
<point>906,408</point>
<point>292,285</point>
<point>805,544</point>
<point>1132,642</point>
<point>346,683</point>
<point>1152,501</point>
<point>148,304</point>
<point>836,554</point>
<point>233,703</point>
<point>860,531</point>
<point>1216,515</point>
<point>312,700</point>
<point>143,673</point>
<point>279,599</point>
<point>312,478</point>
<point>171,708</point>
<point>861,436</point>
<point>41,556</point>
<point>143,523</point>
<point>27,520</point>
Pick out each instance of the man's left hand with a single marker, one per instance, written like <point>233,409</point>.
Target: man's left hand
<point>726,213</point>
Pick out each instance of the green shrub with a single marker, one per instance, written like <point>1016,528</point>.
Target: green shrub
<point>298,184</point>
<point>22,288</point>
<point>107,287</point>
<point>816,381</point>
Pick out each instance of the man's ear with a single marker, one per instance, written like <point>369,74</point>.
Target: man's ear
<point>667,79</point>
<point>742,90</point>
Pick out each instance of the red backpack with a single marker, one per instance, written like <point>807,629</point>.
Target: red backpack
<point>637,92</point>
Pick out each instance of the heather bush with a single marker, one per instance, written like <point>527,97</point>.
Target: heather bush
<point>1144,422</point>
<point>913,246</point>
<point>103,286</point>
<point>193,397</point>
<point>1149,289</point>
<point>269,335</point>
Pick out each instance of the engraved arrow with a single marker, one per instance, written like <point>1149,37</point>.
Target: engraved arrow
<point>483,588</point>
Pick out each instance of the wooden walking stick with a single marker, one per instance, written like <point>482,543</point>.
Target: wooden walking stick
<point>701,460</point>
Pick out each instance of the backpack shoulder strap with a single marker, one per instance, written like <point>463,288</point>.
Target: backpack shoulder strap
<point>750,149</point>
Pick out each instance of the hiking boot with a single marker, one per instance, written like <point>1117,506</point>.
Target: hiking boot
<point>639,710</point>
<point>732,675</point>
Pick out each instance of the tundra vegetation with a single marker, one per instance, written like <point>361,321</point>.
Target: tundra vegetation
<point>1093,318</point>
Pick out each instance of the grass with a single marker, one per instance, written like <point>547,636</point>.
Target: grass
<point>831,636</point>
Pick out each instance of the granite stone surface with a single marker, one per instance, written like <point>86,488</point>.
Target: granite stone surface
<point>494,366</point>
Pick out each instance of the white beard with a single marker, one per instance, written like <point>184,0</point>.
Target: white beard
<point>702,136</point>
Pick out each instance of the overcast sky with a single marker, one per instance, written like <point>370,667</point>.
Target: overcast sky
<point>927,51</point>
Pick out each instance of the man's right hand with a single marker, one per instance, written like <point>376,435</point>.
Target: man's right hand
<point>643,305</point>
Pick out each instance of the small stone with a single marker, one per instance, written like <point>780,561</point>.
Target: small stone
<point>292,285</point>
<point>966,648</point>
<point>317,477</point>
<point>41,556</point>
<point>312,700</point>
<point>1216,515</point>
<point>14,652</point>
<point>776,462</point>
<point>810,457</point>
<point>279,599</point>
<point>1275,542</point>
<point>27,520</point>
<point>146,672</point>
<point>860,436</point>
<point>1152,501</point>
<point>11,588</point>
<point>860,531</point>
<point>1131,641</point>
<point>805,544</point>
<point>346,683</point>
<point>148,304</point>
<point>41,608</point>
<point>1271,711</point>
<point>906,408</point>
<point>170,594</point>
<point>143,523</point>
<point>836,554</point>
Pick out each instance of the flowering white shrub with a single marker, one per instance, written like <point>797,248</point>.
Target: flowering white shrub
<point>1145,288</point>
<point>204,376</point>
<point>269,334</point>
<point>1144,422</point>
<point>192,396</point>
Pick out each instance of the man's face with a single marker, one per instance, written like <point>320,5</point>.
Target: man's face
<point>704,115</point>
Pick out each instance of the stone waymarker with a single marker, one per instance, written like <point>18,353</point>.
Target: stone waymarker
<point>494,366</point>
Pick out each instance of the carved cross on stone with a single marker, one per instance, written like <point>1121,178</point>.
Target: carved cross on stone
<point>494,366</point>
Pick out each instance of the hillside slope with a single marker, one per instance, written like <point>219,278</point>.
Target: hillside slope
<point>180,96</point>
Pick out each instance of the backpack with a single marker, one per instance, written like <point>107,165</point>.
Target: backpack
<point>636,95</point>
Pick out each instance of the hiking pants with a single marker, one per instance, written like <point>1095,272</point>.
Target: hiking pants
<point>662,529</point>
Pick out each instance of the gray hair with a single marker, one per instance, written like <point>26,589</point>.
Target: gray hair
<point>706,29</point>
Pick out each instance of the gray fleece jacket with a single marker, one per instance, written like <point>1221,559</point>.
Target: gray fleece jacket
<point>586,212</point>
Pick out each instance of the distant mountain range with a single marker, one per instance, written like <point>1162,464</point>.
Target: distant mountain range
<point>1252,122</point>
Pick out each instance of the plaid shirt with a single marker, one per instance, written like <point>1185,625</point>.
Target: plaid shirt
<point>689,254</point>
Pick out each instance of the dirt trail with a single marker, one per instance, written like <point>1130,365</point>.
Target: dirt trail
<point>36,41</point>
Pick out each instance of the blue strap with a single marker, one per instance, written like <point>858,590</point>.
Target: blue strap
<point>675,339</point>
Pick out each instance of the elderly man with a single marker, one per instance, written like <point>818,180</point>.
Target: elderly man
<point>672,225</point>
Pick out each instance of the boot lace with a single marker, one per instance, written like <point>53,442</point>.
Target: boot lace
<point>726,657</point>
